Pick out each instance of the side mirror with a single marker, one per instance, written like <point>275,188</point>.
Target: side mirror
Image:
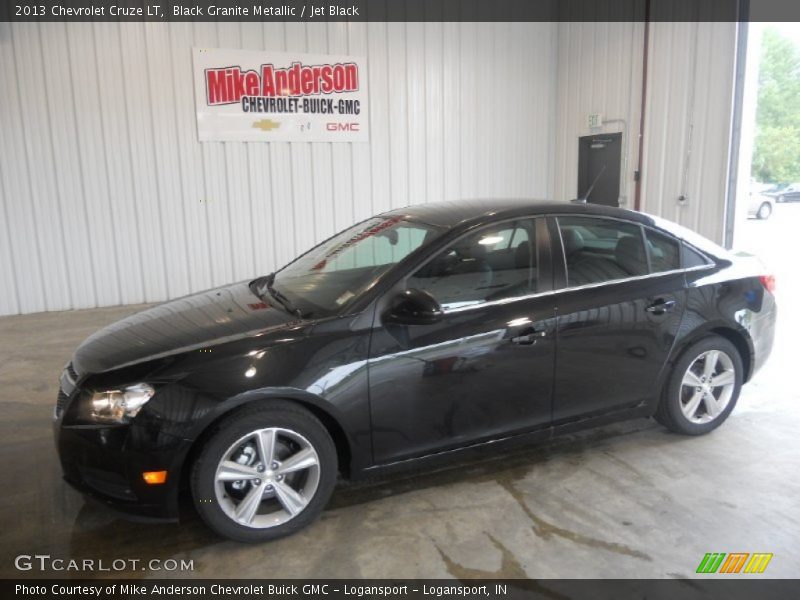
<point>391,235</point>
<point>413,307</point>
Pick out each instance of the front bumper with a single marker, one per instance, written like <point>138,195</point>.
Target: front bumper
<point>106,464</point>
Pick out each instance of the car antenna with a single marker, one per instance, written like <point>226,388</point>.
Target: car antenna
<point>585,197</point>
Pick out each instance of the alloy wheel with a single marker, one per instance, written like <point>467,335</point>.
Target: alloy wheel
<point>267,477</point>
<point>707,386</point>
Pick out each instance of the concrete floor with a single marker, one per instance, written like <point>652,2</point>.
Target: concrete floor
<point>627,500</point>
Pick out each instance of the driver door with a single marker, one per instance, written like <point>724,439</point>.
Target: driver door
<point>485,369</point>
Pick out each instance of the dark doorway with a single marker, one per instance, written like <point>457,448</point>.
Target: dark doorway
<point>599,159</point>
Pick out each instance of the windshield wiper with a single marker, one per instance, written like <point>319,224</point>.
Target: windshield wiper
<point>283,300</point>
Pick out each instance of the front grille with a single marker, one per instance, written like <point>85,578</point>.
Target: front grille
<point>73,374</point>
<point>68,385</point>
<point>61,402</point>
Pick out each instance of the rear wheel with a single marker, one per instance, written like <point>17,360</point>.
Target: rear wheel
<point>764,211</point>
<point>703,387</point>
<point>266,472</point>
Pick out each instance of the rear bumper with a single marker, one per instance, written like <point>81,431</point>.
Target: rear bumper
<point>762,332</point>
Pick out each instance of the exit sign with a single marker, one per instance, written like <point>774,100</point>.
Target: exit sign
<point>594,120</point>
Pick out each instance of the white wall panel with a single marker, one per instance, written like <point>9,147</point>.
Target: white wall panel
<point>452,103</point>
<point>36,150</point>
<point>358,45</point>
<point>107,197</point>
<point>687,123</point>
<point>599,71</point>
<point>687,112</point>
<point>380,140</point>
<point>469,105</point>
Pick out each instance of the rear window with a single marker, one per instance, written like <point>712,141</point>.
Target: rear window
<point>663,251</point>
<point>598,249</point>
<point>692,258</point>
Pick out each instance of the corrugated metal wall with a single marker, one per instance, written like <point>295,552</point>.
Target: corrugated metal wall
<point>599,71</point>
<point>107,198</point>
<point>687,123</point>
<point>687,112</point>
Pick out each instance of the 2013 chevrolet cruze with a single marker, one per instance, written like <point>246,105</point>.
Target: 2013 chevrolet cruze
<point>412,334</point>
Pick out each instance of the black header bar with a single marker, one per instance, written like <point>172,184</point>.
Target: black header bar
<point>734,588</point>
<point>398,10</point>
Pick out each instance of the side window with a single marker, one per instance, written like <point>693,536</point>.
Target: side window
<point>663,250</point>
<point>493,263</point>
<point>598,250</point>
<point>692,258</point>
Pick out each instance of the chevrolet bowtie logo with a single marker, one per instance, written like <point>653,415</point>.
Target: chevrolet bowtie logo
<point>266,124</point>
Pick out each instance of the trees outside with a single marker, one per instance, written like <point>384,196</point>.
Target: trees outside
<point>776,155</point>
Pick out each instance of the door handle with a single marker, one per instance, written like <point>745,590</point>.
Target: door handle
<point>659,307</point>
<point>528,339</point>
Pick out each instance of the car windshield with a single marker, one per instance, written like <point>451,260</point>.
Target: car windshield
<point>332,275</point>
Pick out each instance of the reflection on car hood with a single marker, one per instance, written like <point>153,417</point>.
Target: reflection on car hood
<point>219,315</point>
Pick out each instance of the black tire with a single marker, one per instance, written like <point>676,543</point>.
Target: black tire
<point>669,412</point>
<point>273,413</point>
<point>764,211</point>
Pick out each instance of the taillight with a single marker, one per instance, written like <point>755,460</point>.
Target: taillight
<point>768,281</point>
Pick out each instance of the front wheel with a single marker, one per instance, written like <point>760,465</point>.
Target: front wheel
<point>703,387</point>
<point>764,211</point>
<point>265,473</point>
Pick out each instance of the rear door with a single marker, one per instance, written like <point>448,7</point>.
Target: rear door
<point>618,314</point>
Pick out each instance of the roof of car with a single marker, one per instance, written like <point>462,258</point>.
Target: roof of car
<point>468,212</point>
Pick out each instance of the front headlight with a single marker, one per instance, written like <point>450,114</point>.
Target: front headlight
<point>118,406</point>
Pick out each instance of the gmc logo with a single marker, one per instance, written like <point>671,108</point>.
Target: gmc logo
<point>342,126</point>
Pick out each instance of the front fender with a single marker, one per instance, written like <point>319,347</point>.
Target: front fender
<point>226,407</point>
<point>354,452</point>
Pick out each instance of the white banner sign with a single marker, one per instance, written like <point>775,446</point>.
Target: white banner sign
<point>248,96</point>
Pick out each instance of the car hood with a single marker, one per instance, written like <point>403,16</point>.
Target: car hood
<point>220,315</point>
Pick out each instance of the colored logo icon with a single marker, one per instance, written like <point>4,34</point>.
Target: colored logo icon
<point>734,562</point>
<point>266,124</point>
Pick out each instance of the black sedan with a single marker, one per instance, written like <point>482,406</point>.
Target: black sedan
<point>790,193</point>
<point>409,336</point>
